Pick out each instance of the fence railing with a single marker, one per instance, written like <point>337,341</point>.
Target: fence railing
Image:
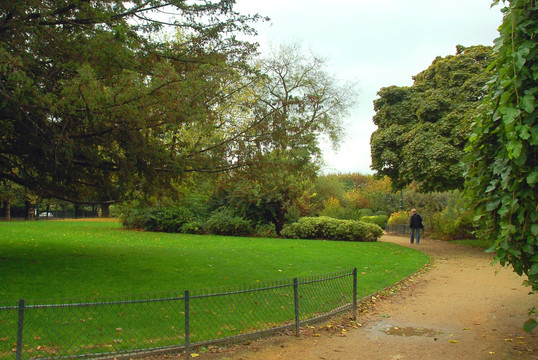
<point>128,327</point>
<point>398,229</point>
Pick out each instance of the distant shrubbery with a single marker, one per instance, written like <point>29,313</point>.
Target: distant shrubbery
<point>180,219</point>
<point>451,224</point>
<point>328,228</point>
<point>224,222</point>
<point>380,220</point>
<point>166,219</point>
<point>399,218</point>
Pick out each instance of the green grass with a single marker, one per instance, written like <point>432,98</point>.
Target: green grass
<point>52,261</point>
<point>74,259</point>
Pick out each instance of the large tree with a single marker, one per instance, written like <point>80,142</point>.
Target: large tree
<point>503,146</point>
<point>94,107</point>
<point>422,129</point>
<point>296,104</point>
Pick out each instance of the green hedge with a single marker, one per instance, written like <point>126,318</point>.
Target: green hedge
<point>328,228</point>
<point>225,223</point>
<point>380,220</point>
<point>167,219</point>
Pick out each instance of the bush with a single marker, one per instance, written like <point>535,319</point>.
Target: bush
<point>265,230</point>
<point>380,220</point>
<point>324,227</point>
<point>133,218</point>
<point>365,212</point>
<point>223,222</point>
<point>169,219</point>
<point>193,227</point>
<point>451,224</point>
<point>399,218</point>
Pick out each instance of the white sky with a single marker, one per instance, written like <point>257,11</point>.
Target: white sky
<point>377,43</point>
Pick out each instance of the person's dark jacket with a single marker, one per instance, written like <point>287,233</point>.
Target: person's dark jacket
<point>415,222</point>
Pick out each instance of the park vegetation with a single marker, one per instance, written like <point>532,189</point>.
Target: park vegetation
<point>179,125</point>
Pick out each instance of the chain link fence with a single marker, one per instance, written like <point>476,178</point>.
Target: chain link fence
<point>129,327</point>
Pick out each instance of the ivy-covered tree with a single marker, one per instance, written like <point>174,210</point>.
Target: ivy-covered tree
<point>503,146</point>
<point>422,129</point>
<point>98,103</point>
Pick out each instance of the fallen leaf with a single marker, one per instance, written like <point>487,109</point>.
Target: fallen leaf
<point>453,341</point>
<point>195,355</point>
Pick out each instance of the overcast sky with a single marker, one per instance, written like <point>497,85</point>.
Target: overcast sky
<point>377,43</point>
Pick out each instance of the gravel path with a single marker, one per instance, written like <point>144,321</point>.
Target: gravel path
<point>461,308</point>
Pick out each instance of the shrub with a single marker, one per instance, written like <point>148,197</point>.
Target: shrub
<point>399,218</point>
<point>380,220</point>
<point>133,218</point>
<point>169,219</point>
<point>265,230</point>
<point>451,224</point>
<point>193,227</point>
<point>324,227</point>
<point>223,222</point>
<point>365,212</point>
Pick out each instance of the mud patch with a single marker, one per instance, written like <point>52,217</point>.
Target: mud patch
<point>411,331</point>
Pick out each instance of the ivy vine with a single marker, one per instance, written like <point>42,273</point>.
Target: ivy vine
<point>502,158</point>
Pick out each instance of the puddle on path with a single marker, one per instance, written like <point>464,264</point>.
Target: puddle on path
<point>411,331</point>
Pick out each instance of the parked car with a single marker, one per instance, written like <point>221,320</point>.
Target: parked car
<point>45,214</point>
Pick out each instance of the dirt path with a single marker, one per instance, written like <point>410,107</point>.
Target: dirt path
<point>459,309</point>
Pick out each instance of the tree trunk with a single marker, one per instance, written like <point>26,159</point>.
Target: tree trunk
<point>8,209</point>
<point>280,219</point>
<point>105,210</point>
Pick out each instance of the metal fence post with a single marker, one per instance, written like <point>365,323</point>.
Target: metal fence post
<point>354,294</point>
<point>296,297</point>
<point>187,324</point>
<point>20,329</point>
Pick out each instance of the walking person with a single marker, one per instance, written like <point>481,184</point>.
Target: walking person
<point>415,223</point>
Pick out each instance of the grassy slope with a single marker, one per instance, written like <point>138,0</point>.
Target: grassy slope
<point>74,259</point>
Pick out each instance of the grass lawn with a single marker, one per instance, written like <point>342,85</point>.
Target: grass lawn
<point>48,262</point>
<point>88,259</point>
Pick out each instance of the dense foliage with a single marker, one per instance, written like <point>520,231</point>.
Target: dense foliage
<point>422,129</point>
<point>102,100</point>
<point>327,228</point>
<point>503,146</point>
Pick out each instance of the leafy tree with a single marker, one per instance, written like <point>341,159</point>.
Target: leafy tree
<point>295,104</point>
<point>267,191</point>
<point>300,103</point>
<point>422,129</point>
<point>503,146</point>
<point>95,108</point>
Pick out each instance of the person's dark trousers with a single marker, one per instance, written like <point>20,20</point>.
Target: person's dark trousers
<point>415,231</point>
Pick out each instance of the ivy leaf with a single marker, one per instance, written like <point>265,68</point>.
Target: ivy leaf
<point>532,178</point>
<point>530,325</point>
<point>509,114</point>
<point>514,149</point>
<point>527,103</point>
<point>524,132</point>
<point>534,229</point>
<point>534,135</point>
<point>520,57</point>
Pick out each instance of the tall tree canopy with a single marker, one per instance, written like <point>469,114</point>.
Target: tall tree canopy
<point>94,107</point>
<point>422,129</point>
<point>296,103</point>
<point>503,146</point>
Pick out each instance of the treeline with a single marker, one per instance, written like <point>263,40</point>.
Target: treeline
<point>216,208</point>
